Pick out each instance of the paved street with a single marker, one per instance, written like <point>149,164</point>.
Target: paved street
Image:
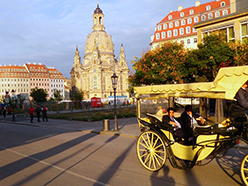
<point>60,152</point>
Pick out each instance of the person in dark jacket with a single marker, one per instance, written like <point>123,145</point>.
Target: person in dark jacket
<point>44,113</point>
<point>188,121</point>
<point>4,111</point>
<point>170,119</point>
<point>38,110</point>
<point>241,99</point>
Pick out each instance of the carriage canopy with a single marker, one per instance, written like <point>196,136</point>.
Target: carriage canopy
<point>226,84</point>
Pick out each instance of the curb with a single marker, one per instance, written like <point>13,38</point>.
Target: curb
<point>86,131</point>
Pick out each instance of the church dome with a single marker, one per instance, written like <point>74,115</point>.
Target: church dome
<point>98,10</point>
<point>102,40</point>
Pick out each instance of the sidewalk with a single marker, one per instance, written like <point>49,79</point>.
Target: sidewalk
<point>128,127</point>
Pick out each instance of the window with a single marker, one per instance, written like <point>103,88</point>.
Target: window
<point>230,34</point>
<point>163,35</point>
<point>188,41</point>
<point>217,14</point>
<point>203,17</point>
<point>195,40</point>
<point>183,22</point>
<point>224,12</point>
<point>175,32</point>
<point>189,20</point>
<point>165,26</point>
<point>182,41</point>
<point>196,19</point>
<point>191,12</point>
<point>244,31</point>
<point>194,30</point>
<point>159,27</point>
<point>169,33</point>
<point>208,7</point>
<point>170,17</point>
<point>157,36</point>
<point>181,14</point>
<point>181,31</point>
<point>171,25</point>
<point>222,4</point>
<point>177,23</point>
<point>210,16</point>
<point>188,30</point>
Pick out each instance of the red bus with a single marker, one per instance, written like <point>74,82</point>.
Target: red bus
<point>96,102</point>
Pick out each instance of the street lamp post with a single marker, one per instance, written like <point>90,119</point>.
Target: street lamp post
<point>12,101</point>
<point>114,79</point>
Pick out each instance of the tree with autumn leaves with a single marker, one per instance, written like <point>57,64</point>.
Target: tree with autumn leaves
<point>159,66</point>
<point>172,63</point>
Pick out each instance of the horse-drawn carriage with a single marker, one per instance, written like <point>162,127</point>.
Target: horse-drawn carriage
<point>225,129</point>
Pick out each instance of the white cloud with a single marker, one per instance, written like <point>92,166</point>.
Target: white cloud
<point>48,31</point>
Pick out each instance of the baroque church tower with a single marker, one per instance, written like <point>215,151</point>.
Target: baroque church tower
<point>93,74</point>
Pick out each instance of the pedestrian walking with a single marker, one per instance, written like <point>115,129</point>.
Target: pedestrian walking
<point>38,110</point>
<point>9,110</point>
<point>31,112</point>
<point>86,106</point>
<point>44,113</point>
<point>4,111</point>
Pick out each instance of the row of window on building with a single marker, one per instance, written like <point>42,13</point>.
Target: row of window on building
<point>14,75</point>
<point>8,85</point>
<point>39,84</point>
<point>230,33</point>
<point>174,33</point>
<point>189,20</point>
<point>9,80</point>
<point>191,12</point>
<point>57,85</point>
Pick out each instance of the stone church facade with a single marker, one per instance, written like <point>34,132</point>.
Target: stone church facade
<point>93,74</point>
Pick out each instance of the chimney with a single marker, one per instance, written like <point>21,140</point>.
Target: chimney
<point>180,8</point>
<point>197,3</point>
<point>171,11</point>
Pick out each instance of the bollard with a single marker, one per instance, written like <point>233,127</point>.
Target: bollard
<point>106,125</point>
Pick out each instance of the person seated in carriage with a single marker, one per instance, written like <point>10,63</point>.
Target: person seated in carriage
<point>189,122</point>
<point>170,119</point>
<point>241,99</point>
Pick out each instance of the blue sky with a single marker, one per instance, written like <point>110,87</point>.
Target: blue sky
<point>47,31</point>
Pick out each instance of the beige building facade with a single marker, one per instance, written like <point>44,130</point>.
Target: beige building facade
<point>13,77</point>
<point>93,74</point>
<point>178,26</point>
<point>234,25</point>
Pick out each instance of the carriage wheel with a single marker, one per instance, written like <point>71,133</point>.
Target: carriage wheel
<point>244,169</point>
<point>151,150</point>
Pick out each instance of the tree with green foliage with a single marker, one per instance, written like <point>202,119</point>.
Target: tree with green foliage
<point>160,66</point>
<point>78,95</point>
<point>172,63</point>
<point>212,54</point>
<point>57,95</point>
<point>241,52</point>
<point>38,95</point>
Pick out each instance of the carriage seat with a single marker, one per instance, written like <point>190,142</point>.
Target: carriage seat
<point>167,127</point>
<point>214,129</point>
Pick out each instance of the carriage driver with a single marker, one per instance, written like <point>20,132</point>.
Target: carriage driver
<point>241,99</point>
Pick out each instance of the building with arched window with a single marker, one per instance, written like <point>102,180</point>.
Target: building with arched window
<point>180,23</point>
<point>93,74</point>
